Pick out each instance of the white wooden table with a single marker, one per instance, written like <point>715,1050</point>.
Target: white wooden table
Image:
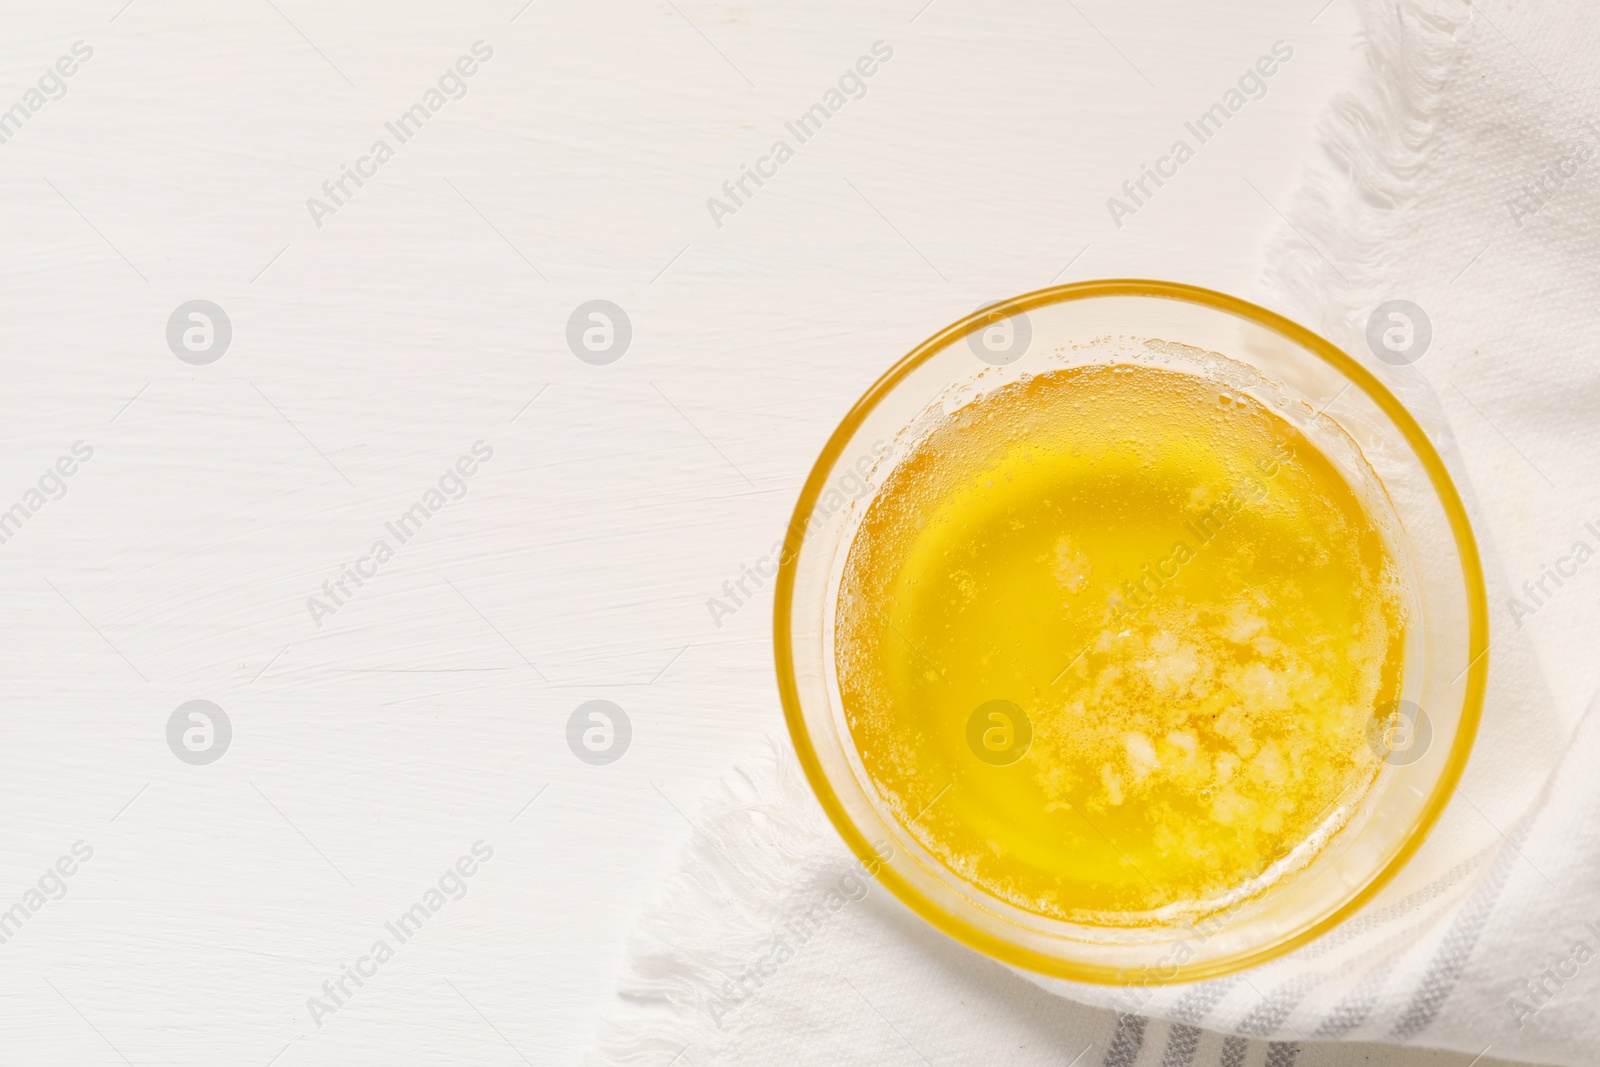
<point>377,335</point>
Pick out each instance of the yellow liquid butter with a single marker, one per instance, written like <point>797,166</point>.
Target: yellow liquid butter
<point>1109,641</point>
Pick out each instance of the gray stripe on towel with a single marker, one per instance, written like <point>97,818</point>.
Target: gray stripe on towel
<point>1183,1039</point>
<point>1282,1054</point>
<point>1126,1042</point>
<point>1451,958</point>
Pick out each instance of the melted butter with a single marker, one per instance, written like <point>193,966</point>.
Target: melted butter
<point>1170,616</point>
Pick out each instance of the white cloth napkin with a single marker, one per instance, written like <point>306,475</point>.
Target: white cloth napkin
<point>1461,177</point>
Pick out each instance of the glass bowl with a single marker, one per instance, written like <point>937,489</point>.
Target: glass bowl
<point>1334,401</point>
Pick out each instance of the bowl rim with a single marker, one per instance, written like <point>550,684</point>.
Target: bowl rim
<point>1438,475</point>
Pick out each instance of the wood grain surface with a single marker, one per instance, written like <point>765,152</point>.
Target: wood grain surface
<point>421,715</point>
